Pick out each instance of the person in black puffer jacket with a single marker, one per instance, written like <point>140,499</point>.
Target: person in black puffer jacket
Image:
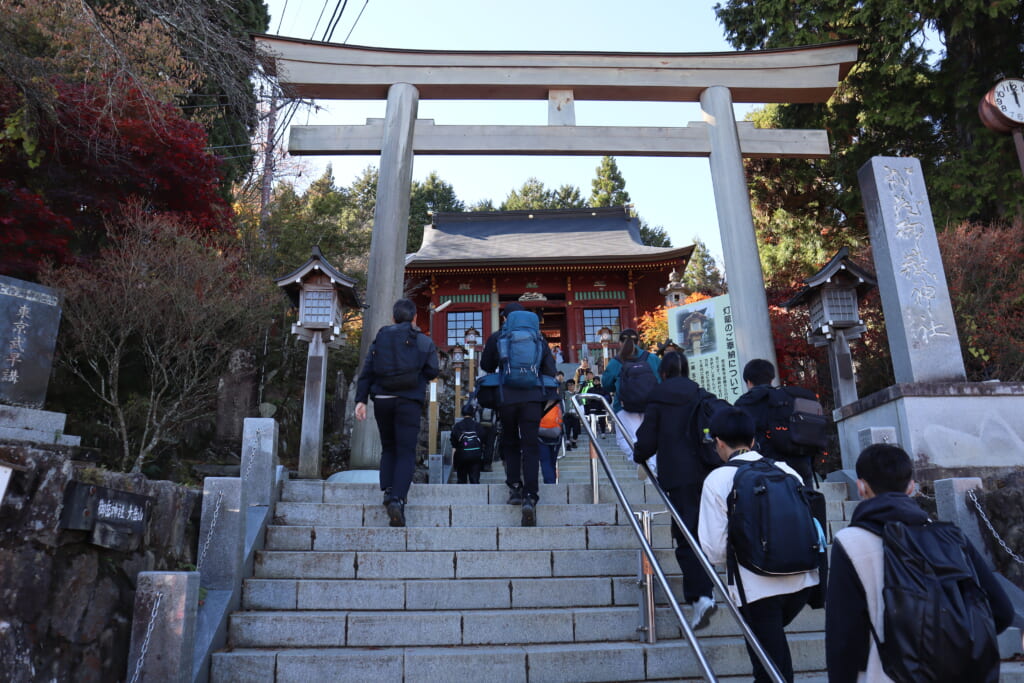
<point>681,470</point>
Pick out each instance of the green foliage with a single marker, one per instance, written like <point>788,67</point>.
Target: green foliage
<point>431,196</point>
<point>609,187</point>
<point>702,273</point>
<point>654,235</point>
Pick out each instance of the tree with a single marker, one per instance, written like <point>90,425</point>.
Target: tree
<point>654,236</point>
<point>431,196</point>
<point>85,163</point>
<point>532,195</point>
<point>482,205</point>
<point>567,197</point>
<point>702,273</point>
<point>609,187</point>
<point>149,325</point>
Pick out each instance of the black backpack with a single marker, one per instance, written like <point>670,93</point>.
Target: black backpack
<point>470,446</point>
<point>797,425</point>
<point>635,382</point>
<point>397,361</point>
<point>772,531</point>
<point>699,428</point>
<point>938,623</point>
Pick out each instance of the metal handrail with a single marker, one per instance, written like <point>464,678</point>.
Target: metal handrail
<point>705,563</point>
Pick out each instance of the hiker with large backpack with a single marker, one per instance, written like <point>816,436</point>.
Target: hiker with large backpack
<point>467,439</point>
<point>631,376</point>
<point>395,373</point>
<point>755,520</point>
<point>789,421</point>
<point>524,368</point>
<point>670,428</point>
<point>909,599</point>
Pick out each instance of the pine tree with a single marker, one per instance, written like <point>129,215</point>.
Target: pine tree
<point>609,187</point>
<point>702,273</point>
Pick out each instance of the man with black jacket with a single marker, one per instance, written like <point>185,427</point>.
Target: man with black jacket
<point>395,373</point>
<point>681,470</point>
<point>756,402</point>
<point>855,600</point>
<point>520,412</point>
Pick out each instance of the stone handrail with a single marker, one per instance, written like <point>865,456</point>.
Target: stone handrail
<point>174,633</point>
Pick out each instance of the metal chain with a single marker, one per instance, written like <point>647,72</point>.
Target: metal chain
<point>149,634</point>
<point>252,453</point>
<point>209,532</point>
<point>974,499</point>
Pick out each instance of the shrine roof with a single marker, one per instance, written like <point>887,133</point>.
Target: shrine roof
<point>605,235</point>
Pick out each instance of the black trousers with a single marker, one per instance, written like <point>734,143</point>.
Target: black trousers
<point>696,582</point>
<point>468,472</point>
<point>398,420</point>
<point>768,618</point>
<point>519,447</point>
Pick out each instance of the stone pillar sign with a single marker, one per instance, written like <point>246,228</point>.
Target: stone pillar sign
<point>29,319</point>
<point>918,312</point>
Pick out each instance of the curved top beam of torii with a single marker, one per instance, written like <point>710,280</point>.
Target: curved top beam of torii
<point>330,71</point>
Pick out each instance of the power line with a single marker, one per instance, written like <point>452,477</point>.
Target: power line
<point>367,2</point>
<point>317,25</point>
<point>280,19</point>
<point>335,25</point>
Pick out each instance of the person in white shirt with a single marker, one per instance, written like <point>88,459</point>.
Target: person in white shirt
<point>772,602</point>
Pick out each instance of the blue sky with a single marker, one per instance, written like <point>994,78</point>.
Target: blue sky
<point>675,194</point>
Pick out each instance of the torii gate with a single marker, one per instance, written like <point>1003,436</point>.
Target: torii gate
<point>716,80</point>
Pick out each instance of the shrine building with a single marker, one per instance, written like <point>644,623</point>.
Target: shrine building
<point>583,271</point>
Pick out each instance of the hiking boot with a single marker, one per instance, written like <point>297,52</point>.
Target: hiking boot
<point>702,611</point>
<point>396,513</point>
<point>515,496</point>
<point>529,512</point>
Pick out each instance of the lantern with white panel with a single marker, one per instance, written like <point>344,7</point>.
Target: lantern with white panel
<point>832,296</point>
<point>322,294</point>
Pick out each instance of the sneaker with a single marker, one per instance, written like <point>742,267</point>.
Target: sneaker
<point>702,611</point>
<point>387,496</point>
<point>515,496</point>
<point>529,512</point>
<point>396,513</point>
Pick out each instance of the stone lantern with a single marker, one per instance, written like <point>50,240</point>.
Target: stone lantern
<point>693,328</point>
<point>605,335</point>
<point>321,295</point>
<point>458,358</point>
<point>471,339</point>
<point>832,295</point>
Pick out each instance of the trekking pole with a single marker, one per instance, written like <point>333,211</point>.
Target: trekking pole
<point>645,581</point>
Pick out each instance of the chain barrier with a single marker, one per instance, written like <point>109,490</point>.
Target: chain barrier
<point>149,634</point>
<point>974,499</point>
<point>209,533</point>
<point>252,453</point>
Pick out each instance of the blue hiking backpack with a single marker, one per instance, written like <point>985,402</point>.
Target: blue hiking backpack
<point>521,349</point>
<point>635,382</point>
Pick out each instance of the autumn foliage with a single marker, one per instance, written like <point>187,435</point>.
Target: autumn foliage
<point>66,175</point>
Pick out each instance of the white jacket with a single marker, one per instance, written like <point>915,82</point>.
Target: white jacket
<point>713,530</point>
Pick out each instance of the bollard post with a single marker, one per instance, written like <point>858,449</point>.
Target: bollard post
<point>163,627</point>
<point>259,459</point>
<point>593,473</point>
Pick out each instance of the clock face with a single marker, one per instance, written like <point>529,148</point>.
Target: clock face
<point>1008,99</point>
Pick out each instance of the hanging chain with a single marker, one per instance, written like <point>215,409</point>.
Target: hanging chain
<point>974,499</point>
<point>209,533</point>
<point>252,453</point>
<point>149,634</point>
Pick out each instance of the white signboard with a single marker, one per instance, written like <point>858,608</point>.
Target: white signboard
<point>706,331</point>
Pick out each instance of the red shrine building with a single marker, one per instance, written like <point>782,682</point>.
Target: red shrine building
<point>583,271</point>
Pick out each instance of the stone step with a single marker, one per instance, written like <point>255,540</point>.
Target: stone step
<point>494,515</point>
<point>307,491</point>
<point>554,663</point>
<point>468,564</point>
<point>415,628</point>
<point>329,538</point>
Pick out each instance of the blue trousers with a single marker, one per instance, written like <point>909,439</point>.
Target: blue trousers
<point>398,420</point>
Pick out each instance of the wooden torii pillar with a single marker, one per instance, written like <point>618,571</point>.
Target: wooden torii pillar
<point>716,80</point>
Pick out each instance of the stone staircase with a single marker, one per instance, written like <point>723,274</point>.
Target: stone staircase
<point>465,593</point>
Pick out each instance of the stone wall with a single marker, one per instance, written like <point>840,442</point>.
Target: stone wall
<point>66,604</point>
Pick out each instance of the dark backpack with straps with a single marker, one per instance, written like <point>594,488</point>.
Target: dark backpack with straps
<point>470,447</point>
<point>635,382</point>
<point>521,350</point>
<point>772,531</point>
<point>397,361</point>
<point>699,428</point>
<point>797,425</point>
<point>938,623</point>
